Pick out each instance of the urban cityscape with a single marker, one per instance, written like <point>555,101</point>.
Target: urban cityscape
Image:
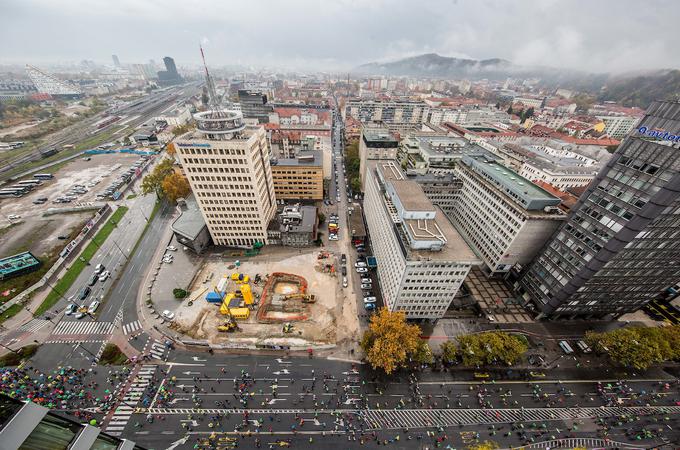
<point>342,225</point>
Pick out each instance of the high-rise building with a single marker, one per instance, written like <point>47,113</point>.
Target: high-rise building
<point>299,178</point>
<point>28,425</point>
<point>617,126</point>
<point>619,247</point>
<point>116,61</point>
<point>422,260</point>
<point>375,143</point>
<point>388,111</point>
<point>254,105</point>
<point>504,217</point>
<point>170,74</point>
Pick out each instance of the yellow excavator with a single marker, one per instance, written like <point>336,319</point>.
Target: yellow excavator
<point>229,326</point>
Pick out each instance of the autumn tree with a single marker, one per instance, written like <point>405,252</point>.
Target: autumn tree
<point>423,354</point>
<point>153,182</point>
<point>390,340</point>
<point>449,351</point>
<point>170,149</point>
<point>181,129</point>
<point>486,445</point>
<point>175,186</point>
<point>638,347</point>
<point>491,348</point>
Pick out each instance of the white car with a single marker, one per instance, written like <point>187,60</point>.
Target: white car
<point>360,264</point>
<point>362,270</point>
<point>93,307</point>
<point>344,282</point>
<point>370,299</point>
<point>104,276</point>
<point>366,286</point>
<point>14,217</point>
<point>70,309</point>
<point>168,315</point>
<point>333,237</point>
<point>171,248</point>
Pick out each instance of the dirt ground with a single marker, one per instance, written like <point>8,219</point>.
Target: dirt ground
<point>38,233</point>
<point>200,321</point>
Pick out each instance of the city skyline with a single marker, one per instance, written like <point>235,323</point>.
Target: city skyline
<point>343,35</point>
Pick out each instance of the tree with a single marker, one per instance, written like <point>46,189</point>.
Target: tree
<point>510,111</point>
<point>181,129</point>
<point>322,217</point>
<point>491,348</point>
<point>355,184</point>
<point>449,351</point>
<point>390,340</point>
<point>175,186</point>
<point>423,354</point>
<point>530,112</point>
<point>638,347</point>
<point>170,149</point>
<point>153,181</point>
<point>179,293</point>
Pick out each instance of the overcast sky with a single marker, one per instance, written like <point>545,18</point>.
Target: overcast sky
<point>598,36</point>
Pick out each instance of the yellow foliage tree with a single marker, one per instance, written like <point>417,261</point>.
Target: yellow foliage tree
<point>486,445</point>
<point>389,341</point>
<point>170,148</point>
<point>175,186</point>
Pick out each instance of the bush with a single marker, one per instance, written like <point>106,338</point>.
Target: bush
<point>179,293</point>
<point>112,355</point>
<point>14,359</point>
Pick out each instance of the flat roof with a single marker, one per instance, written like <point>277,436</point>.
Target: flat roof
<point>17,262</point>
<point>316,161</point>
<point>190,222</point>
<point>379,135</point>
<point>411,195</point>
<point>455,249</point>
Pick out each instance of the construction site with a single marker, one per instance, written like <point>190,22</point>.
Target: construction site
<point>270,300</point>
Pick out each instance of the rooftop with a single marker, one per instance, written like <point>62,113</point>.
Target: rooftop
<point>523,191</point>
<point>305,158</point>
<point>297,219</point>
<point>190,222</point>
<point>378,135</point>
<point>423,229</point>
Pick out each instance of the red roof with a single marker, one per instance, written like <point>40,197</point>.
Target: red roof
<point>605,142</point>
<point>568,199</point>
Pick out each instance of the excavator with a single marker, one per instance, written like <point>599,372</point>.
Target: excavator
<point>306,298</point>
<point>229,326</point>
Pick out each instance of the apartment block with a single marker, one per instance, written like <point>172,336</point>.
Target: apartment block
<point>387,111</point>
<point>618,126</point>
<point>619,249</point>
<point>504,217</point>
<point>228,167</point>
<point>422,259</point>
<point>299,178</point>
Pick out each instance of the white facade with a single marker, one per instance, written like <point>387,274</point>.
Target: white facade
<point>232,182</point>
<point>560,177</point>
<point>618,126</point>
<point>422,260</point>
<point>501,230</point>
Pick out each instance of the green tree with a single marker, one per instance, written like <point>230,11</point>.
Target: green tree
<point>153,182</point>
<point>530,112</point>
<point>355,184</point>
<point>390,340</point>
<point>423,354</point>
<point>181,129</point>
<point>322,218</point>
<point>492,347</point>
<point>638,347</point>
<point>449,351</point>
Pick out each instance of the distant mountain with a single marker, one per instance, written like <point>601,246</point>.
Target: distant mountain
<point>641,90</point>
<point>434,65</point>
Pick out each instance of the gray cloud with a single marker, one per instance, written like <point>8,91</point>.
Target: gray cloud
<point>606,35</point>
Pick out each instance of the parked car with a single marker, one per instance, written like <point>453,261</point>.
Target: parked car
<point>359,264</point>
<point>104,276</point>
<point>344,282</point>
<point>343,258</point>
<point>14,217</point>
<point>80,315</point>
<point>370,299</point>
<point>84,292</point>
<point>362,270</point>
<point>168,315</point>
<point>70,309</point>
<point>332,237</point>
<point>93,307</point>
<point>62,237</point>
<point>344,271</point>
<point>366,279</point>
<point>171,248</point>
<point>366,286</point>
<point>40,201</point>
<point>369,306</point>
<point>99,268</point>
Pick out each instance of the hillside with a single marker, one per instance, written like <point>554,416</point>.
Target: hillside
<point>434,65</point>
<point>642,90</point>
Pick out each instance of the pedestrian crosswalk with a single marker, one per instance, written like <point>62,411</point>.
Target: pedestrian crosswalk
<point>34,325</point>
<point>74,340</point>
<point>121,415</point>
<point>419,418</point>
<point>74,327</point>
<point>157,350</point>
<point>581,443</point>
<point>131,327</point>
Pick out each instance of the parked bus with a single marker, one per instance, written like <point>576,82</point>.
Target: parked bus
<point>29,183</point>
<point>4,193</point>
<point>21,188</point>
<point>566,348</point>
<point>43,176</point>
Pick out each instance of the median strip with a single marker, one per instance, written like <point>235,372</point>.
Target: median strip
<point>65,283</point>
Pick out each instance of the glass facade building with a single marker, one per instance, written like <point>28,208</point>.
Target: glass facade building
<point>620,246</point>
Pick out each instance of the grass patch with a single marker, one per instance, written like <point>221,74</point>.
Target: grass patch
<point>4,231</point>
<point>65,283</point>
<point>131,196</point>
<point>14,359</point>
<point>10,312</point>
<point>113,356</point>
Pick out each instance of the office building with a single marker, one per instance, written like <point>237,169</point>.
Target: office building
<point>170,75</point>
<point>375,143</point>
<point>254,105</point>
<point>298,178</point>
<point>618,126</point>
<point>442,189</point>
<point>27,425</point>
<point>294,226</point>
<point>116,61</point>
<point>504,217</point>
<point>422,260</point>
<point>620,246</point>
<point>228,167</point>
